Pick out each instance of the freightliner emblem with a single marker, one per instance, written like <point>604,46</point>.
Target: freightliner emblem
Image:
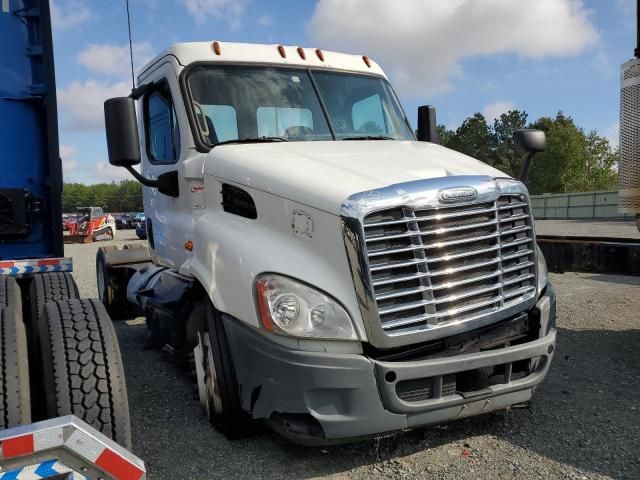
<point>458,194</point>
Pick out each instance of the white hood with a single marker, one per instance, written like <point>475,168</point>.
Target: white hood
<point>324,174</point>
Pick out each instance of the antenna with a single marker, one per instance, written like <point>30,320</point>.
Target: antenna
<point>133,77</point>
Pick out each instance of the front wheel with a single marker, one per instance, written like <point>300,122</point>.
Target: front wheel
<point>219,391</point>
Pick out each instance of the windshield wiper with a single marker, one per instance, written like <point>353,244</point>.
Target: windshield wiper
<point>253,140</point>
<point>368,137</point>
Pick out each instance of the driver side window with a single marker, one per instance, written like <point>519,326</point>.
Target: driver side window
<point>161,126</point>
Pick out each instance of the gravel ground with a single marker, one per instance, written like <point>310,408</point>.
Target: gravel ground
<point>584,422</point>
<point>582,228</point>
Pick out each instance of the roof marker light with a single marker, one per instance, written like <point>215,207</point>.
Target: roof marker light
<point>281,51</point>
<point>320,54</point>
<point>216,48</point>
<point>366,60</point>
<point>303,55</point>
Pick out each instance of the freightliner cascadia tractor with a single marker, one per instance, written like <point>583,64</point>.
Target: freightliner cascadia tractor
<point>328,271</point>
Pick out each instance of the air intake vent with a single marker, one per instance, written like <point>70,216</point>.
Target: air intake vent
<point>235,200</point>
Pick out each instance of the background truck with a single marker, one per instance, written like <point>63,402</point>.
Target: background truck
<point>328,272</point>
<point>59,359</point>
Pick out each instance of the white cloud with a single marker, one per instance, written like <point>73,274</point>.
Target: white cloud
<point>612,133</point>
<point>422,44</point>
<point>494,109</point>
<point>68,14</point>
<point>82,102</point>
<point>105,172</point>
<point>114,59</point>
<point>68,156</point>
<point>231,11</point>
<point>265,21</point>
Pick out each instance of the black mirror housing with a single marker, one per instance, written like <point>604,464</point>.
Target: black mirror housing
<point>123,142</point>
<point>427,127</point>
<point>527,140</point>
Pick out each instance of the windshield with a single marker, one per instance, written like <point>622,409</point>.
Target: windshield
<point>233,102</point>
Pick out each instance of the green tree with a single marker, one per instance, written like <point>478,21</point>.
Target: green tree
<point>504,149</point>
<point>125,196</point>
<point>574,160</point>
<point>473,138</point>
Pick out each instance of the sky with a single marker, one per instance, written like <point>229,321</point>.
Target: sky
<point>463,56</point>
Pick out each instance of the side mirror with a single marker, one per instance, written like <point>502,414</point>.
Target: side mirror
<point>529,141</point>
<point>427,127</point>
<point>123,142</point>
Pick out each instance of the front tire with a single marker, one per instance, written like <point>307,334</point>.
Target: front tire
<point>224,408</point>
<point>82,369</point>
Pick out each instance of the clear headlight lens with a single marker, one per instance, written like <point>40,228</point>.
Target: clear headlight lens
<point>543,273</point>
<point>291,308</point>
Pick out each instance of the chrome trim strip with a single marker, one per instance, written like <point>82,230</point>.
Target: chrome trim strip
<point>415,196</point>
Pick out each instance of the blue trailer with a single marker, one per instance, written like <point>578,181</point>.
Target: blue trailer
<point>60,364</point>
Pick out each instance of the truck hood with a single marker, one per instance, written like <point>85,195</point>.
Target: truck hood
<point>323,174</point>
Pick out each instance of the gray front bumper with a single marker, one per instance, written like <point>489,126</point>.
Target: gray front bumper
<point>352,396</point>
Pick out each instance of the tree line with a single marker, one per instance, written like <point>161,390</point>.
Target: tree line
<point>125,196</point>
<point>575,160</point>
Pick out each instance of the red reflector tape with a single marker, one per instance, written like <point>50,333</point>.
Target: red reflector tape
<point>42,263</point>
<point>118,466</point>
<point>17,446</point>
<point>7,264</point>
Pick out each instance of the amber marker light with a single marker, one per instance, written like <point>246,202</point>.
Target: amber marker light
<point>263,305</point>
<point>303,55</point>
<point>366,60</point>
<point>281,51</point>
<point>188,246</point>
<point>320,54</point>
<point>216,48</point>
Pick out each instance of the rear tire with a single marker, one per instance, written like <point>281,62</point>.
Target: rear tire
<point>50,287</point>
<point>227,416</point>
<point>15,397</point>
<point>44,288</point>
<point>9,291</point>
<point>82,368</point>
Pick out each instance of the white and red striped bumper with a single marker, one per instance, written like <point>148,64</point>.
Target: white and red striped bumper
<point>21,267</point>
<point>64,445</point>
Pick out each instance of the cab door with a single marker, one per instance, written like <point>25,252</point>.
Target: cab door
<point>163,132</point>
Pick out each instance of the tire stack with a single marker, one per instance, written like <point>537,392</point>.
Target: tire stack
<point>76,368</point>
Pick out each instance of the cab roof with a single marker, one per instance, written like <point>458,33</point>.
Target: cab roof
<point>214,51</point>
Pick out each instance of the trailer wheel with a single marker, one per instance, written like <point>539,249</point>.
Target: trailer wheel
<point>44,288</point>
<point>50,287</point>
<point>82,368</point>
<point>15,403</point>
<point>223,399</point>
<point>9,291</point>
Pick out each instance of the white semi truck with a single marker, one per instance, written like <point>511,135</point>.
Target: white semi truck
<point>329,271</point>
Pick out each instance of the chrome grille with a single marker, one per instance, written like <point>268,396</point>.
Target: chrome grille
<point>434,266</point>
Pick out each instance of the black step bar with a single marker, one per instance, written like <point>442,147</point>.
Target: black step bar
<point>591,254</point>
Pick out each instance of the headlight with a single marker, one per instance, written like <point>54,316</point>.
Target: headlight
<point>291,308</point>
<point>543,273</point>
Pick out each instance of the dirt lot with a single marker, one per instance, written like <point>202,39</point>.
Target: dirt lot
<point>584,422</point>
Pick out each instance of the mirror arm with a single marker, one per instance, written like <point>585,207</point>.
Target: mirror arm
<point>526,168</point>
<point>144,181</point>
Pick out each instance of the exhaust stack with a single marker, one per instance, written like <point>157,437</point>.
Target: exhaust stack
<point>629,169</point>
